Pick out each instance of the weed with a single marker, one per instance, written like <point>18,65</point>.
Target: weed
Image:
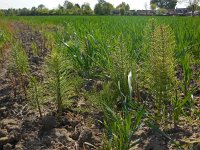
<point>35,92</point>
<point>120,125</point>
<point>34,49</point>
<point>58,77</point>
<point>161,72</point>
<point>19,67</point>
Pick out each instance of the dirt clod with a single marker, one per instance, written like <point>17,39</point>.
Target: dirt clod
<point>85,136</point>
<point>8,146</point>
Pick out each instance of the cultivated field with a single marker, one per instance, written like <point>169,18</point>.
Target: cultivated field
<point>99,82</point>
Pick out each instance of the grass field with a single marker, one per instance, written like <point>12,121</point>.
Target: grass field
<point>186,29</point>
<point>133,80</point>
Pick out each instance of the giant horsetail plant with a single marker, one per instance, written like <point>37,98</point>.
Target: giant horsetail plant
<point>35,92</point>
<point>121,63</point>
<point>34,49</point>
<point>58,76</point>
<point>161,72</point>
<point>55,69</point>
<point>19,68</point>
<point>148,36</point>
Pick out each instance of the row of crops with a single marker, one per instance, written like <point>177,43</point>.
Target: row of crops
<point>148,67</point>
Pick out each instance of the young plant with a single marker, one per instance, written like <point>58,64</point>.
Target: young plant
<point>34,49</point>
<point>3,39</point>
<point>148,37</point>
<point>185,60</point>
<point>83,55</point>
<point>35,92</point>
<point>19,67</point>
<point>178,106</point>
<point>57,79</point>
<point>1,42</point>
<point>120,125</point>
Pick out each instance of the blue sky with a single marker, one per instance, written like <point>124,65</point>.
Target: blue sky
<point>4,4</point>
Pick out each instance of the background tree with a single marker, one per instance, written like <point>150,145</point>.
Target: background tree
<point>103,8</point>
<point>77,5</point>
<point>101,1</point>
<point>77,10</point>
<point>53,12</point>
<point>42,10</point>
<point>192,4</point>
<point>24,12</point>
<point>123,7</point>
<point>97,9</point>
<point>68,5</point>
<point>41,6</point>
<point>11,12</point>
<point>1,13</point>
<point>33,11</point>
<point>197,7</point>
<point>153,6</point>
<point>167,4</point>
<point>86,9</point>
<point>107,8</point>
<point>60,10</point>
<point>122,11</point>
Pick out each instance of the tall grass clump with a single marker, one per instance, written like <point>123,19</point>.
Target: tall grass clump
<point>161,77</point>
<point>19,68</point>
<point>84,54</point>
<point>185,61</point>
<point>121,125</point>
<point>120,128</point>
<point>186,77</point>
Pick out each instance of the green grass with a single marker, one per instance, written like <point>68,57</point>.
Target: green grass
<point>105,28</point>
<point>108,48</point>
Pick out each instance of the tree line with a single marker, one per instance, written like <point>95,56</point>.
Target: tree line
<point>101,8</point>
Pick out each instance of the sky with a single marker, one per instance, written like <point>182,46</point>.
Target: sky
<point>5,4</point>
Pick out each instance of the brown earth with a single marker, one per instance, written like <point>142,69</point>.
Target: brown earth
<point>21,126</point>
